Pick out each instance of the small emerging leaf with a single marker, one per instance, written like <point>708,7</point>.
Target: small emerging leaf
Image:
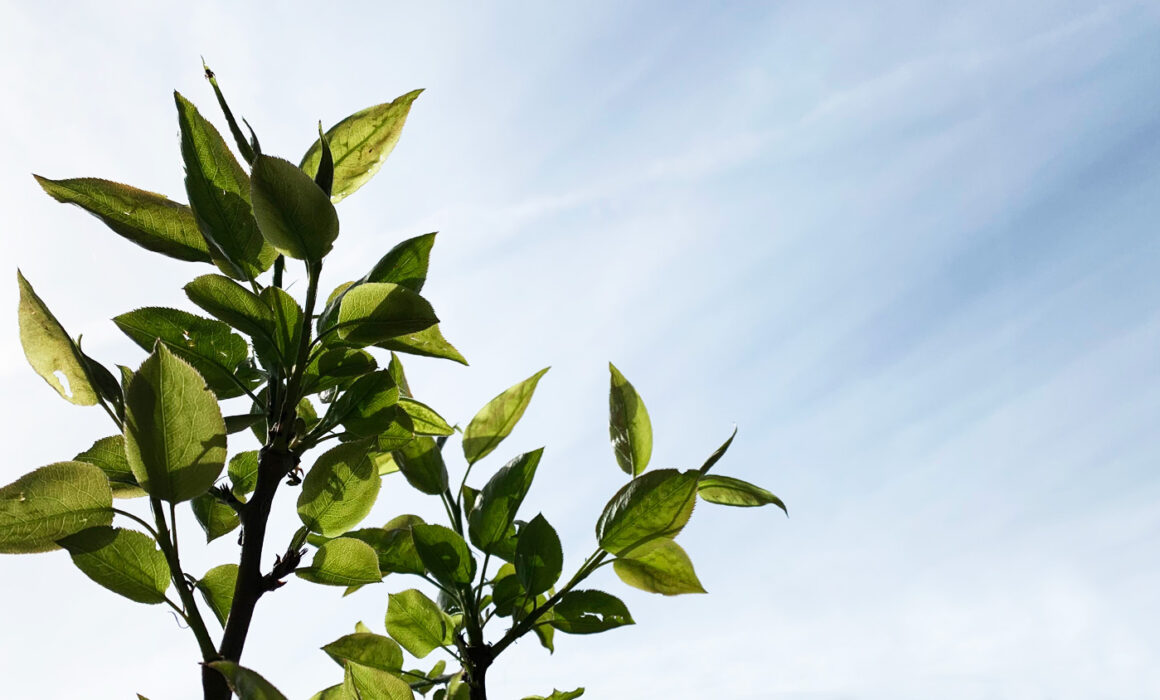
<point>247,684</point>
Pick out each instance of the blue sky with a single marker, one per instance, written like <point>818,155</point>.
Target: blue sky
<point>910,250</point>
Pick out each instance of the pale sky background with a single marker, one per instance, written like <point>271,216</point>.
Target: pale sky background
<point>910,249</point>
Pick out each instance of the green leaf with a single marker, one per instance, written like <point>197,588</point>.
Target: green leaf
<point>444,554</point>
<point>428,342</point>
<point>373,312</point>
<point>238,423</point>
<point>628,425</point>
<point>244,147</point>
<point>495,421</point>
<point>104,382</point>
<point>228,301</point>
<point>422,465</point>
<point>324,178</point>
<point>334,692</point>
<point>339,490</point>
<point>109,454</point>
<point>728,491</point>
<point>175,438</point>
<point>405,264</point>
<point>367,408</point>
<point>210,346</point>
<point>247,684</point>
<point>219,194</point>
<point>126,562</point>
<point>288,323</point>
<point>417,623</point>
<point>589,612</point>
<point>373,684</point>
<point>50,351</point>
<point>654,505</point>
<point>150,220</point>
<point>53,502</point>
<point>718,453</point>
<point>545,632</point>
<point>496,508</point>
<point>360,143</point>
<point>366,649</point>
<point>215,517</point>
<point>217,587</point>
<point>243,472</point>
<point>539,556</point>
<point>558,695</point>
<point>662,567</point>
<point>343,562</point>
<point>336,367</point>
<point>424,418</point>
<point>293,213</point>
<point>394,545</point>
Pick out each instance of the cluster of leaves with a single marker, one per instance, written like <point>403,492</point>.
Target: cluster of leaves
<point>303,378</point>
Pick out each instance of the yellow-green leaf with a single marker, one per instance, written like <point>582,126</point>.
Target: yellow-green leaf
<point>53,502</point>
<point>50,350</point>
<point>126,562</point>
<point>495,421</point>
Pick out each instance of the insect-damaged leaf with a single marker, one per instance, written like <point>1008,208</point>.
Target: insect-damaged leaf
<point>50,351</point>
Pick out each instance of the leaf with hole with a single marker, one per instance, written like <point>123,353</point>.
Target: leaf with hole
<point>50,350</point>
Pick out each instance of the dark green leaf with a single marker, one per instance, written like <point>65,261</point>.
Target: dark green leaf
<point>288,323</point>
<point>367,408</point>
<point>728,491</point>
<point>405,264</point>
<point>661,567</point>
<point>395,367</point>
<point>219,194</point>
<point>424,419</point>
<point>539,556</point>
<point>210,346</point>
<point>588,612</point>
<point>244,147</point>
<point>247,684</point>
<point>417,623</point>
<point>558,695</point>
<point>654,505</point>
<point>495,421</point>
<point>150,220</point>
<point>336,367</point>
<point>339,490</point>
<point>324,178</point>
<point>217,587</point>
<point>215,517</point>
<point>371,650</point>
<point>175,438</point>
<point>373,312</point>
<point>53,502</point>
<point>228,301</point>
<point>628,425</point>
<point>104,382</point>
<point>500,499</point>
<point>507,591</point>
<point>293,214</point>
<point>50,350</point>
<point>422,465</point>
<point>343,562</point>
<point>126,562</point>
<point>394,545</point>
<point>444,553</point>
<point>360,143</point>
<point>718,454</point>
<point>109,454</point>
<point>238,423</point>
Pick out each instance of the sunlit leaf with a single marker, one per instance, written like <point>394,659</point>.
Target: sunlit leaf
<point>126,562</point>
<point>343,562</point>
<point>422,465</point>
<point>417,623</point>
<point>655,505</point>
<point>367,649</point>
<point>293,213</point>
<point>444,554</point>
<point>424,419</point>
<point>589,612</point>
<point>50,350</point>
<point>53,502</point>
<point>628,425</point>
<point>660,567</point>
<point>373,312</point>
<point>495,421</point>
<point>729,491</point>
<point>339,490</point>
<point>215,517</point>
<point>217,587</point>
<point>109,454</point>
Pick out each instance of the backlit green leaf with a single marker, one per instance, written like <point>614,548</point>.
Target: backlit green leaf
<point>428,342</point>
<point>175,438</point>
<point>499,500</point>
<point>394,545</point>
<point>217,587</point>
<point>215,517</point>
<point>228,301</point>
<point>53,502</point>
<point>558,695</point>
<point>417,623</point>
<point>335,367</point>
<point>246,684</point>
<point>628,425</point>
<point>405,264</point>
<point>339,490</point>
<point>422,465</point>
<point>367,407</point>
<point>654,505</point>
<point>219,194</point>
<point>589,612</point>
<point>343,562</point>
<point>210,346</point>
<point>150,220</point>
<point>243,472</point>
<point>126,562</point>
<point>371,650</point>
<point>360,143</point>
<point>495,421</point>
<point>50,350</point>
<point>539,556</point>
<point>293,213</point>
<point>109,454</point>
<point>728,491</point>
<point>373,312</point>
<point>288,323</point>
<point>424,419</point>
<point>660,567</point>
<point>374,684</point>
<point>444,553</point>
